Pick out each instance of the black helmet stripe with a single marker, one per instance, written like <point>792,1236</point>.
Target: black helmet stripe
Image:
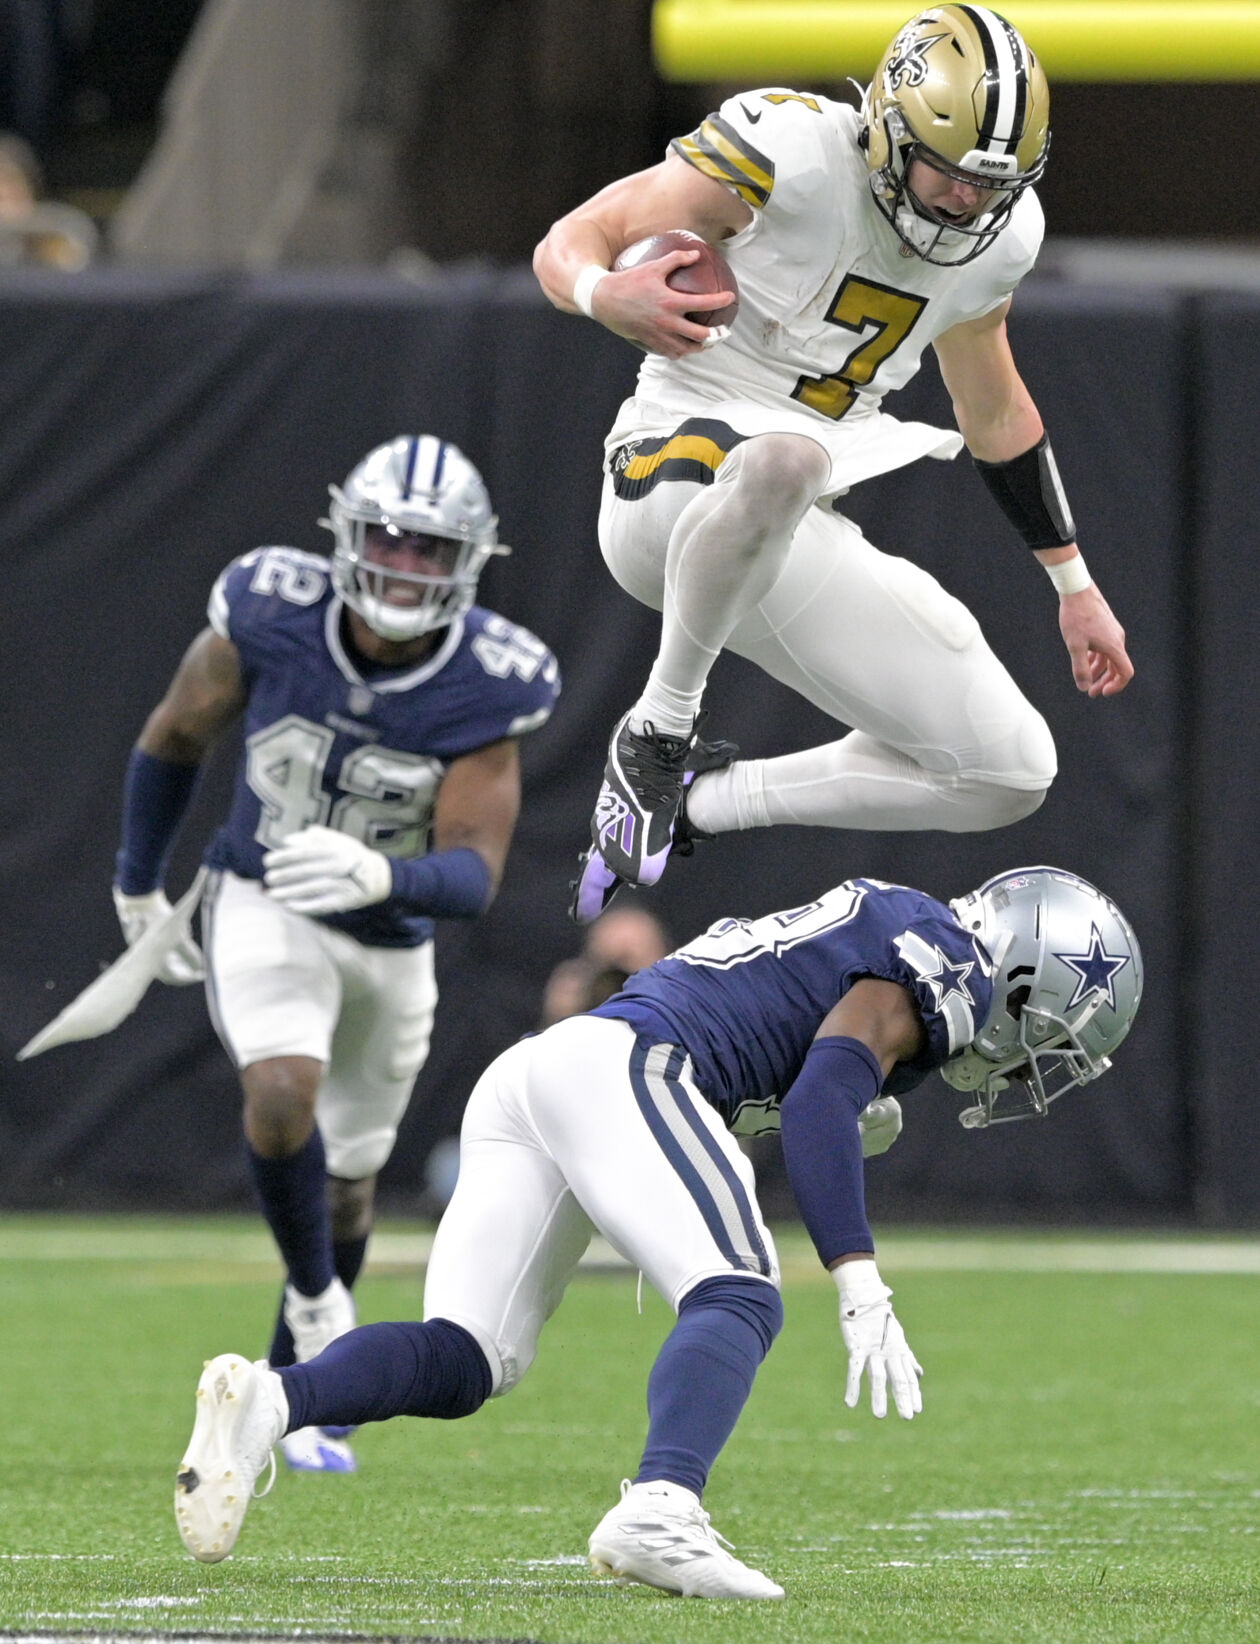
<point>1005,78</point>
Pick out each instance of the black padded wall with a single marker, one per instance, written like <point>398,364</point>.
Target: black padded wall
<point>150,429</point>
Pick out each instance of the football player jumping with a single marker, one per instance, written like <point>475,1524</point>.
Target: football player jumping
<point>857,236</point>
<point>811,1021</point>
<point>378,789</point>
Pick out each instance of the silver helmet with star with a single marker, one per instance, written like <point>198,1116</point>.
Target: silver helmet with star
<point>1067,981</point>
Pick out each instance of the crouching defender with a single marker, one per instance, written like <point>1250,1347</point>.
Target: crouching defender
<point>624,1120</point>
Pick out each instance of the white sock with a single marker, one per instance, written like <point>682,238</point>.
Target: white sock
<point>667,711</point>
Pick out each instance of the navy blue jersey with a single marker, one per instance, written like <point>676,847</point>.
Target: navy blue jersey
<point>746,999</point>
<point>331,740</point>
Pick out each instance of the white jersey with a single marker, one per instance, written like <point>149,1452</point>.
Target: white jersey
<point>833,312</point>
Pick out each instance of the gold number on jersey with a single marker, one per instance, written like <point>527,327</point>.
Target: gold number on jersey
<point>857,305</point>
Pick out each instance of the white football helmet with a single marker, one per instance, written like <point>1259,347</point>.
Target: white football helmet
<point>1067,981</point>
<point>415,486</point>
<point>959,90</point>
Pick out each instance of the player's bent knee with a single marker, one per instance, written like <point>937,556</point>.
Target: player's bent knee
<point>280,1097</point>
<point>978,805</point>
<point>754,1301</point>
<point>1027,765</point>
<point>777,472</point>
<point>357,1157</point>
<point>1017,803</point>
<point>450,1374</point>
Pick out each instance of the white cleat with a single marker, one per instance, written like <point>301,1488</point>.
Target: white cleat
<point>659,1534</point>
<point>312,1450</point>
<point>241,1413</point>
<point>315,1321</point>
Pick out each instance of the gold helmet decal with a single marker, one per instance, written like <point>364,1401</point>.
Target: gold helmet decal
<point>959,89</point>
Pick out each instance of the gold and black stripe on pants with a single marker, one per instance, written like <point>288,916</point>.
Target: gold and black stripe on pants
<point>694,451</point>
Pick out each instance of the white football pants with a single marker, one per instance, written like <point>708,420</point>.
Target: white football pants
<point>942,736</point>
<point>585,1126</point>
<point>280,984</point>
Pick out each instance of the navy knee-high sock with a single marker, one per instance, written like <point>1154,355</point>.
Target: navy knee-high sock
<point>293,1193</point>
<point>703,1375</point>
<point>348,1255</point>
<point>384,1370</point>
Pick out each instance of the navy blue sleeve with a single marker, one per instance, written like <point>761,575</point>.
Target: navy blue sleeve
<point>451,884</point>
<point>156,793</point>
<point>822,1145</point>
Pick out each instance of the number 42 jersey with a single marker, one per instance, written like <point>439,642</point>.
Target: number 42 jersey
<point>331,740</point>
<point>746,999</point>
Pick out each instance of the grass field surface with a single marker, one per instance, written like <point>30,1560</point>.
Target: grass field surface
<point>1087,1466</point>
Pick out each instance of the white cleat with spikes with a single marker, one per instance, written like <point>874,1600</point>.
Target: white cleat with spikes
<point>659,1534</point>
<point>241,1413</point>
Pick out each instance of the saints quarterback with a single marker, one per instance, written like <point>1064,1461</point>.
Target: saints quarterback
<point>857,237</point>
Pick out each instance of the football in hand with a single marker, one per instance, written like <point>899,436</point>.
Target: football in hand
<point>709,272</point>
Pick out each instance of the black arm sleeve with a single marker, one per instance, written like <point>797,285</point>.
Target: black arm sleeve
<point>1029,492</point>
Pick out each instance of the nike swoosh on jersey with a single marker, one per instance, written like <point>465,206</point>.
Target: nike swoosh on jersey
<point>749,115</point>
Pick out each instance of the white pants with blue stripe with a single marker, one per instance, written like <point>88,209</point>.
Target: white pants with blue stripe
<point>587,1127</point>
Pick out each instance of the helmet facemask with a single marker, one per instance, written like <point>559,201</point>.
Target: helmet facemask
<point>1050,1062</point>
<point>366,585</point>
<point>938,239</point>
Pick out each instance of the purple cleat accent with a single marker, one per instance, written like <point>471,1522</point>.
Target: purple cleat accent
<point>633,825</point>
<point>593,889</point>
<point>597,883</point>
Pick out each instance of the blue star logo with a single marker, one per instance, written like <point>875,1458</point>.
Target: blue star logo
<point>1096,970</point>
<point>949,979</point>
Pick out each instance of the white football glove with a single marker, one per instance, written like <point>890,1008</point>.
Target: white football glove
<point>876,1342</point>
<point>880,1124</point>
<point>137,914</point>
<point>322,871</point>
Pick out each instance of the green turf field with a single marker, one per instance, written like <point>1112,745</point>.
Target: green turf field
<point>1087,1466</point>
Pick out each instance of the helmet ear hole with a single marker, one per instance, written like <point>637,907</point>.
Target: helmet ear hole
<point>1017,998</point>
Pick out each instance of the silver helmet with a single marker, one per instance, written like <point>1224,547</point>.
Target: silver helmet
<point>1067,981</point>
<point>415,486</point>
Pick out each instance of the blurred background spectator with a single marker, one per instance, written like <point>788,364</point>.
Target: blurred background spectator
<point>625,939</point>
<point>45,233</point>
<point>260,133</point>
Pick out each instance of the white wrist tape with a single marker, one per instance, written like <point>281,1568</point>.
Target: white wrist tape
<point>1070,575</point>
<point>584,286</point>
<point>859,1283</point>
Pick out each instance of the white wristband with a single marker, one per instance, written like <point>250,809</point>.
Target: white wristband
<point>859,1282</point>
<point>1070,575</point>
<point>584,286</point>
